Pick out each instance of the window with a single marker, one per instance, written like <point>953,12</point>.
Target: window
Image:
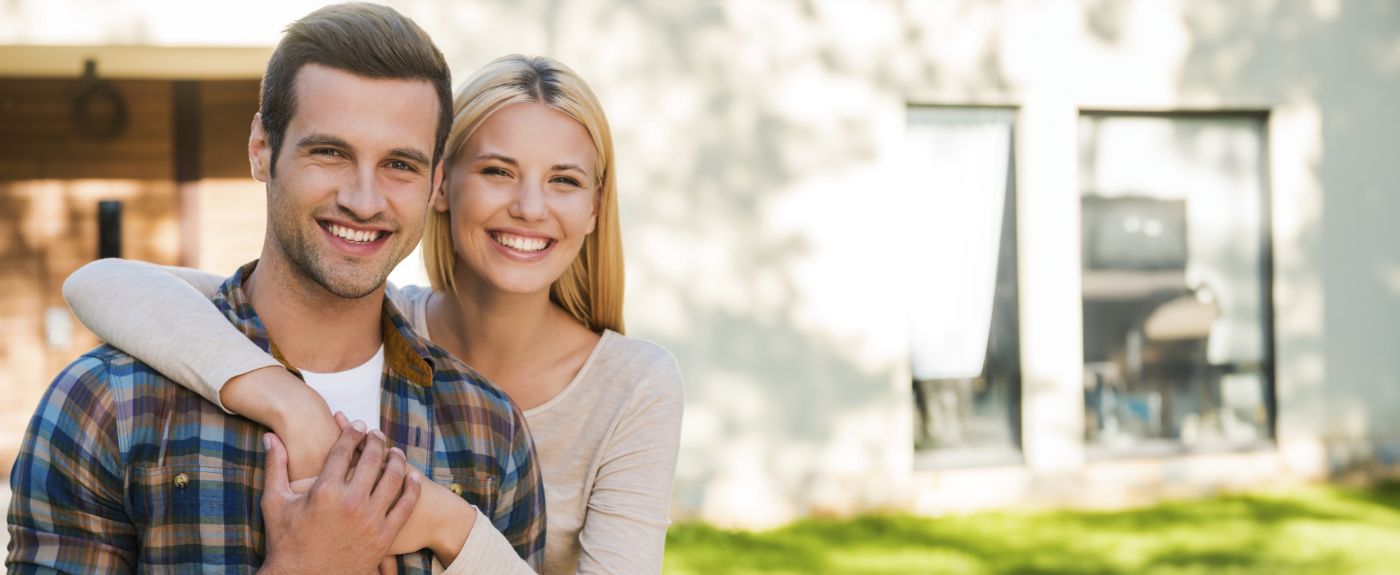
<point>964,343</point>
<point>1176,283</point>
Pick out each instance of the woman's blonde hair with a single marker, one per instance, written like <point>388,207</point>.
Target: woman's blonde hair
<point>591,289</point>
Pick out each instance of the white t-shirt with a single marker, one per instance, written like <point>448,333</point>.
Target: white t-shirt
<point>354,391</point>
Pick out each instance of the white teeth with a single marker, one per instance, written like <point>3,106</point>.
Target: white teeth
<point>353,235</point>
<point>519,243</point>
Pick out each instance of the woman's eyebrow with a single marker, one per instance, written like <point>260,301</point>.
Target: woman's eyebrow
<point>497,157</point>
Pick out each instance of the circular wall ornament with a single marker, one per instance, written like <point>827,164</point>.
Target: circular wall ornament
<point>99,110</point>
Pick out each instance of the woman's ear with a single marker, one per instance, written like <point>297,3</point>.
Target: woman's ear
<point>593,214</point>
<point>438,199</point>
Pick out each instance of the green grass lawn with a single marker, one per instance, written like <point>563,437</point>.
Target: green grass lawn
<point>1325,530</point>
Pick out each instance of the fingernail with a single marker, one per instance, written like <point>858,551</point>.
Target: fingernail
<point>359,426</point>
<point>377,434</point>
<point>414,477</point>
<point>267,441</point>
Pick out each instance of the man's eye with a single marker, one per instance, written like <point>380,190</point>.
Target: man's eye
<point>401,165</point>
<point>329,152</point>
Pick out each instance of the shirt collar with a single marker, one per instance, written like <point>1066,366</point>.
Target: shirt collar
<point>404,351</point>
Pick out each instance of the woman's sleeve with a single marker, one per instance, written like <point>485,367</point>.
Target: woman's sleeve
<point>487,550</point>
<point>163,317</point>
<point>624,530</point>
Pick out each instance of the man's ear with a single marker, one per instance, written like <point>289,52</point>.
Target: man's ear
<point>259,151</point>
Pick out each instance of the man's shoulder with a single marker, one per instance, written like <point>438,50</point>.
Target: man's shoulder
<point>107,379</point>
<point>455,381</point>
<point>100,366</point>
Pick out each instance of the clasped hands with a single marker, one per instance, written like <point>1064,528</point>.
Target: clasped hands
<point>346,519</point>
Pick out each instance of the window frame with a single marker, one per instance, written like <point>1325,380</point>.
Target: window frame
<point>1267,367</point>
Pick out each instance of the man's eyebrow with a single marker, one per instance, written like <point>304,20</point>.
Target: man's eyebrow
<point>411,155</point>
<point>313,140</point>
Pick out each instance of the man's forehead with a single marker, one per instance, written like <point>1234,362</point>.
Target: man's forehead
<point>399,110</point>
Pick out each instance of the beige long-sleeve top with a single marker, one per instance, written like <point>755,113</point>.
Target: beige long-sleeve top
<point>607,444</point>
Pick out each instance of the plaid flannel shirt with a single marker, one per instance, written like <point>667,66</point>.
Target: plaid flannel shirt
<point>122,470</point>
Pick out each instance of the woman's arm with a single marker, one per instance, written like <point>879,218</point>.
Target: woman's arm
<point>624,529</point>
<point>137,307</point>
<point>134,306</point>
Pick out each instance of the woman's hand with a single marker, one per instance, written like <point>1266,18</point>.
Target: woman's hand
<point>274,397</point>
<point>441,524</point>
<point>351,513</point>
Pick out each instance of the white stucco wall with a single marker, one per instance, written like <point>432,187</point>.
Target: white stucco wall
<point>759,156</point>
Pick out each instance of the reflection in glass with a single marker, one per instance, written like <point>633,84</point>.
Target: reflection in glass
<point>1174,277</point>
<point>963,318</point>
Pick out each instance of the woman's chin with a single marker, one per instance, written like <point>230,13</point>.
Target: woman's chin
<point>520,284</point>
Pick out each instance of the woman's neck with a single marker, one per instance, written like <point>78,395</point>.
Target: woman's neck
<point>522,343</point>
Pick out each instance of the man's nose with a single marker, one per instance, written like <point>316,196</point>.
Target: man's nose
<point>361,195</point>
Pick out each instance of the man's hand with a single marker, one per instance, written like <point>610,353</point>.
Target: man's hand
<point>347,520</point>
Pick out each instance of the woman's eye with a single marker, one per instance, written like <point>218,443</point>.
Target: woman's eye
<point>566,180</point>
<point>493,171</point>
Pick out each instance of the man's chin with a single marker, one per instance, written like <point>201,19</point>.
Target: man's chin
<point>349,282</point>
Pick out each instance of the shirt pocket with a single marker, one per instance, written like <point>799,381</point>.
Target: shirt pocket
<point>477,487</point>
<point>196,515</point>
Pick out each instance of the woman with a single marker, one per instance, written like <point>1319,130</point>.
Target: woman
<point>524,254</point>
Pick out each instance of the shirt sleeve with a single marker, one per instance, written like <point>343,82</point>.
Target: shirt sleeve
<point>149,311</point>
<point>624,529</point>
<point>66,514</point>
<point>486,550</point>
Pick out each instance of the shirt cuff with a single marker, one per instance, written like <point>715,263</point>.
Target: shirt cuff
<point>215,384</point>
<point>485,551</point>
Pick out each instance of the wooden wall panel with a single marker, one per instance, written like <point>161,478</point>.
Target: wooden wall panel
<point>38,139</point>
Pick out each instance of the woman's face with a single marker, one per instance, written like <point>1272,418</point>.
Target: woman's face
<point>522,197</point>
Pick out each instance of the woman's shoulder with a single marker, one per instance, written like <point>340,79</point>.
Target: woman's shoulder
<point>639,364</point>
<point>405,296</point>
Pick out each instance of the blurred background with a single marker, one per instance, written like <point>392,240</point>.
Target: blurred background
<point>926,257</point>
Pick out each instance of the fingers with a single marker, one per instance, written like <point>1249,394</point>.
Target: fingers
<point>338,462</point>
<point>399,514</point>
<point>366,472</point>
<point>277,495</point>
<point>276,463</point>
<point>391,482</point>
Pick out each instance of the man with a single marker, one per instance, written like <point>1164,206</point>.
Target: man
<point>122,470</point>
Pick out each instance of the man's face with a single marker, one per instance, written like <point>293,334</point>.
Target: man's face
<point>349,196</point>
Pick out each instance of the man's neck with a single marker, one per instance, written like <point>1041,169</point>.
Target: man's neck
<point>312,328</point>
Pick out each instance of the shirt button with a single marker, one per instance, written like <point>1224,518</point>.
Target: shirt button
<point>456,489</point>
<point>182,480</point>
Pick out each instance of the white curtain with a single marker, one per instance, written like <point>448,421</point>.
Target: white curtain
<point>956,187</point>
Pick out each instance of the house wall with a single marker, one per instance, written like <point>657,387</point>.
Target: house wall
<point>762,179</point>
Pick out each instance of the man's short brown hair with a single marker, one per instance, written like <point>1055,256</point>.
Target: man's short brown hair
<point>365,39</point>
